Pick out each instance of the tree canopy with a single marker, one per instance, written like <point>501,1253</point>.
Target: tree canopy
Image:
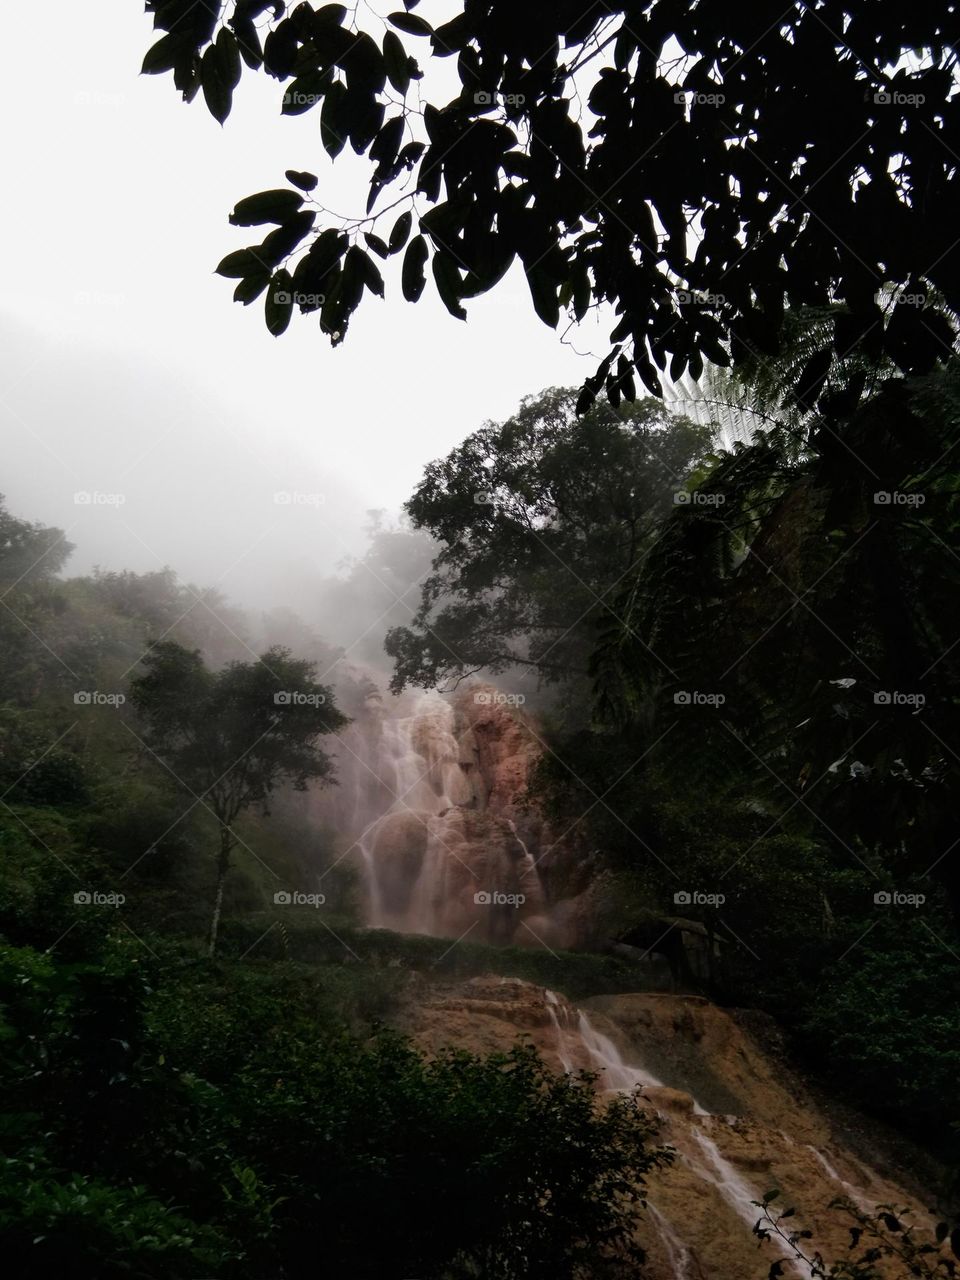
<point>697,168</point>
<point>538,521</point>
<point>230,737</point>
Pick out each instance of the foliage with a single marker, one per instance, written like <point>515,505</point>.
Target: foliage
<point>881,1237</point>
<point>696,168</point>
<point>263,717</point>
<point>537,519</point>
<point>231,737</point>
<point>285,1140</point>
<point>808,609</point>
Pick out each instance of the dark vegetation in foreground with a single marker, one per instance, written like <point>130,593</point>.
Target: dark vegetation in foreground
<point>165,1116</point>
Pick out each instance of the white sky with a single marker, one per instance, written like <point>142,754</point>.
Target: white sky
<point>126,368</point>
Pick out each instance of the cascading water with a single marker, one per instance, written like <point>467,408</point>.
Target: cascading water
<point>579,1043</point>
<point>436,859</point>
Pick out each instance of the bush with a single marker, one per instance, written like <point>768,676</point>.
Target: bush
<point>158,1081</point>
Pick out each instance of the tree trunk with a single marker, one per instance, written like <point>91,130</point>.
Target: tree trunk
<point>223,866</point>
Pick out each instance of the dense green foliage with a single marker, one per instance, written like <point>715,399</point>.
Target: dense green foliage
<point>699,168</point>
<point>162,1118</point>
<point>231,737</point>
<point>538,519</point>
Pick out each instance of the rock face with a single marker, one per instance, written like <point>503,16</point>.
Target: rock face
<point>739,1123</point>
<point>433,804</point>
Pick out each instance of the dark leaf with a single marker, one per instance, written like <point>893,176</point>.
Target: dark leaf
<point>266,206</point>
<point>216,93</point>
<point>411,24</point>
<point>228,58</point>
<point>397,62</point>
<point>413,276</point>
<point>250,289</point>
<point>299,178</point>
<point>543,290</point>
<point>241,263</point>
<point>447,278</point>
<point>401,231</point>
<point>378,246</point>
<point>163,55</point>
<point>278,306</point>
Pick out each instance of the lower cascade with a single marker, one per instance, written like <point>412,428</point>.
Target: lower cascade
<point>432,804</point>
<point>738,1123</point>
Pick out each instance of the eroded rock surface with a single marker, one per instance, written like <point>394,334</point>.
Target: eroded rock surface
<point>739,1123</point>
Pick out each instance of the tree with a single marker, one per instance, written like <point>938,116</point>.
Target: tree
<point>231,737</point>
<point>811,601</point>
<point>29,551</point>
<point>538,519</point>
<point>696,167</point>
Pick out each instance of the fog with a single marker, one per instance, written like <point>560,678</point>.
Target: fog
<point>127,373</point>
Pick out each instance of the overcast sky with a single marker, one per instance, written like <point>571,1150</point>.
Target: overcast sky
<point>125,367</point>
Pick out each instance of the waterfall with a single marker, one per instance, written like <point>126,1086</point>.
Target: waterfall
<point>579,1040</point>
<point>435,858</point>
<point>679,1257</point>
